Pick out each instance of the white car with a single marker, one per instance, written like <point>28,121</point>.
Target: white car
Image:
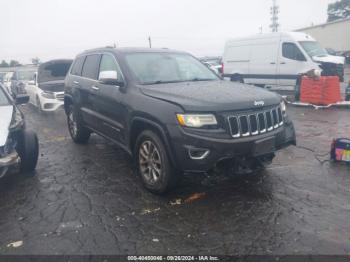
<point>277,59</point>
<point>46,90</point>
<point>6,80</point>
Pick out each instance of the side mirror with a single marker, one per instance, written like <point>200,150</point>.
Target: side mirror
<point>21,99</point>
<point>110,78</point>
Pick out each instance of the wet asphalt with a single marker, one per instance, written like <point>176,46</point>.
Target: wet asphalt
<point>85,199</point>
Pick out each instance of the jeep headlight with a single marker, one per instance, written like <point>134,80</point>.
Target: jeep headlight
<point>48,95</point>
<point>283,108</point>
<point>196,120</point>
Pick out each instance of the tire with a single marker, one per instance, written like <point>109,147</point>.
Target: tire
<point>38,104</point>
<point>237,78</point>
<point>78,132</point>
<point>161,177</point>
<point>28,150</point>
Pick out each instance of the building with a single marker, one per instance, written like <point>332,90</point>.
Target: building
<point>335,35</point>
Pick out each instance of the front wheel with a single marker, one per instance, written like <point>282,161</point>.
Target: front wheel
<point>28,150</point>
<point>153,164</point>
<point>38,104</point>
<point>78,132</point>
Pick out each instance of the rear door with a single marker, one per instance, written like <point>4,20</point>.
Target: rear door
<point>291,62</point>
<point>87,86</point>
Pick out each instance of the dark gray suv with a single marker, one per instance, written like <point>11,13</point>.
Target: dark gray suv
<point>171,113</point>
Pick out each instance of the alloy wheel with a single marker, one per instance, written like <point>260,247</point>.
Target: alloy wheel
<point>150,162</point>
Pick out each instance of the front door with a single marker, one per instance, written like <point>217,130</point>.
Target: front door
<point>291,62</point>
<point>108,101</point>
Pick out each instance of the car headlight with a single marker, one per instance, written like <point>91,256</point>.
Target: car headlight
<point>17,121</point>
<point>283,108</point>
<point>196,120</point>
<point>48,95</point>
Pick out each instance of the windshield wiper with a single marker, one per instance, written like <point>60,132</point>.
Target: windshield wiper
<point>161,82</point>
<point>196,79</point>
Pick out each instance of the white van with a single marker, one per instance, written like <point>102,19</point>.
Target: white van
<point>277,59</point>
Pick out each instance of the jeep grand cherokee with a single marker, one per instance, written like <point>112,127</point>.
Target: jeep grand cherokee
<point>171,113</point>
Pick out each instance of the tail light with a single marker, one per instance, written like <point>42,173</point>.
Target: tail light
<point>222,68</point>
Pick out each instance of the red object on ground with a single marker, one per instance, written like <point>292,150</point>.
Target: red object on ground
<point>322,91</point>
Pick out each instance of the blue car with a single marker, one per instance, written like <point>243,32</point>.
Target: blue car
<point>347,93</point>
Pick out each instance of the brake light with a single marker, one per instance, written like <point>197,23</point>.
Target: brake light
<point>222,68</point>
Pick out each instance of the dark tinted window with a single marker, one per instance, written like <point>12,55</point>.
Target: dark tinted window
<point>291,51</point>
<point>91,65</point>
<point>78,66</point>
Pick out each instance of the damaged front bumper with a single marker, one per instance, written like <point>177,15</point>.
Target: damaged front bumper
<point>8,162</point>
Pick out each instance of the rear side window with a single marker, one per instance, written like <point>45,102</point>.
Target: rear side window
<point>78,66</point>
<point>291,51</point>
<point>91,65</point>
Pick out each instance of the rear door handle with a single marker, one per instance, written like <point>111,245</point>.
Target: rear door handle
<point>272,63</point>
<point>95,88</point>
<point>283,63</point>
<point>76,82</point>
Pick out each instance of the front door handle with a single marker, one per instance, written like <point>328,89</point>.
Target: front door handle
<point>283,63</point>
<point>95,88</point>
<point>272,63</point>
<point>76,82</point>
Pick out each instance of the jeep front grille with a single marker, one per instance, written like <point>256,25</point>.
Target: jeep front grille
<point>244,125</point>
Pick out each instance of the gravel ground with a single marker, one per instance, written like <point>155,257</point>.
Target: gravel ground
<point>86,200</point>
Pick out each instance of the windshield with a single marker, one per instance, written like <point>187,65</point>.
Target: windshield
<point>25,75</point>
<point>313,48</point>
<point>157,68</point>
<point>3,98</point>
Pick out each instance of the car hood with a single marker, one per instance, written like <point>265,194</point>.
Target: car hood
<point>211,95</point>
<point>329,59</point>
<point>5,121</point>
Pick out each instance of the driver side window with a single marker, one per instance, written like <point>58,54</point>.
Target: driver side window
<point>108,64</point>
<point>291,51</point>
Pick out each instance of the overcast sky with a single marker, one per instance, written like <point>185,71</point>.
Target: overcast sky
<point>51,29</point>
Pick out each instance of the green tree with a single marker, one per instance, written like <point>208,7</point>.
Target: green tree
<point>339,10</point>
<point>4,64</point>
<point>14,63</point>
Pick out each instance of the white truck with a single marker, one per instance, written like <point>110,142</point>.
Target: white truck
<point>277,59</point>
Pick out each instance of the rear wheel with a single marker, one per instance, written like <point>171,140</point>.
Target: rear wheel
<point>153,164</point>
<point>78,132</point>
<point>28,150</point>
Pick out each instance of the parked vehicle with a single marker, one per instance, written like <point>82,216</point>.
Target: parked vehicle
<point>347,93</point>
<point>18,147</point>
<point>277,59</point>
<point>20,78</point>
<point>171,113</point>
<point>213,63</point>
<point>46,90</point>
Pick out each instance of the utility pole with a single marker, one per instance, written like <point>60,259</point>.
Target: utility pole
<point>274,16</point>
<point>150,42</point>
